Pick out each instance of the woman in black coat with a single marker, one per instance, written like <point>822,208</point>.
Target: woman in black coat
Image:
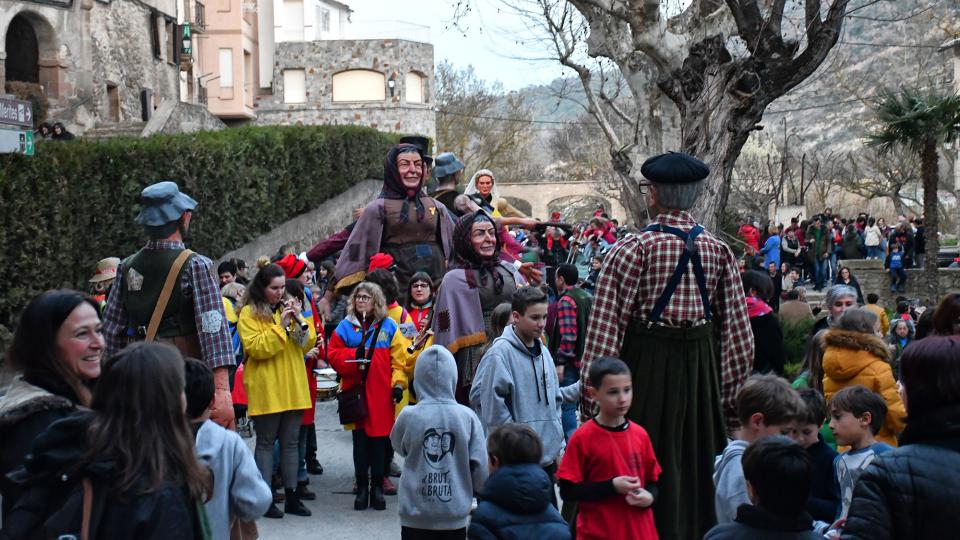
<point>912,491</point>
<point>768,353</point>
<point>56,349</point>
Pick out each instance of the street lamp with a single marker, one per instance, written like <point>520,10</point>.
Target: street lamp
<point>187,45</point>
<point>392,83</point>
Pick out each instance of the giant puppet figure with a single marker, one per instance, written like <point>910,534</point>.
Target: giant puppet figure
<point>667,301</point>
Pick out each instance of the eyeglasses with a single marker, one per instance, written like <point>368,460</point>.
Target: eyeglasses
<point>419,286</point>
<point>362,298</point>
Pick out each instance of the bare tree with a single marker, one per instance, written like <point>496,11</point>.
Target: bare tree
<point>893,175</point>
<point>485,126</point>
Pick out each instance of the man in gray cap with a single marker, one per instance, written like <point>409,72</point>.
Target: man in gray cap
<point>447,170</point>
<point>663,297</point>
<point>165,292</point>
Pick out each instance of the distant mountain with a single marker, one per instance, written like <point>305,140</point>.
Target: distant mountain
<point>884,44</point>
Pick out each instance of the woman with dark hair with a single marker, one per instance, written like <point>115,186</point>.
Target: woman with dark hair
<point>420,299</point>
<point>131,459</point>
<point>912,491</point>
<point>845,277</point>
<point>57,349</point>
<point>946,318</point>
<point>275,337</point>
<point>768,352</point>
<point>469,293</point>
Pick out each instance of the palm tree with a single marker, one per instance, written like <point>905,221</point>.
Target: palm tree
<point>920,121</point>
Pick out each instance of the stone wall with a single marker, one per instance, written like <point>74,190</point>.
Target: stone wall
<point>321,60</point>
<point>308,229</point>
<point>173,117</point>
<point>86,45</point>
<point>873,278</point>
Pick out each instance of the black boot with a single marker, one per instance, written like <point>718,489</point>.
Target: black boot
<point>273,512</point>
<point>363,495</point>
<point>293,505</point>
<point>376,495</point>
<point>304,493</point>
<point>314,467</point>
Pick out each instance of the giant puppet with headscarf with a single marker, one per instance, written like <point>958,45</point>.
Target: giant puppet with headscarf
<point>478,282</point>
<point>403,221</point>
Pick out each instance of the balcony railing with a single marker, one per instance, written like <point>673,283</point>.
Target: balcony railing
<point>197,15</point>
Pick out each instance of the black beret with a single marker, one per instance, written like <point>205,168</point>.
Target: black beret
<point>674,168</point>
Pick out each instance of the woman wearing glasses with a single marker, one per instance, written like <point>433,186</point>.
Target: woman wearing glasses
<point>368,349</point>
<point>420,304</point>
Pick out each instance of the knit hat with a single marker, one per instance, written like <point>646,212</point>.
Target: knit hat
<point>380,260</point>
<point>292,266</point>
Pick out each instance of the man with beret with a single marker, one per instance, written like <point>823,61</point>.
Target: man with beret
<point>667,300</point>
<point>193,320</point>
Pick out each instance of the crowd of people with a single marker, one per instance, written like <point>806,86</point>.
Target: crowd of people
<point>815,248</point>
<point>464,337</point>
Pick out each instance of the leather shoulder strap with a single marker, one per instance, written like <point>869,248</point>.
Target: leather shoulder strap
<point>87,509</point>
<point>165,294</point>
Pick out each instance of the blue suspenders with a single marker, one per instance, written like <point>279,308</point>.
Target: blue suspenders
<point>689,254</point>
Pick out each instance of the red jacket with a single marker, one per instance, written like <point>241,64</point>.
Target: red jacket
<point>750,236</point>
<point>387,368</point>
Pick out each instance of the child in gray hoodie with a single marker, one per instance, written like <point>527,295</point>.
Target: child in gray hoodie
<point>516,381</point>
<point>444,451</point>
<point>239,492</point>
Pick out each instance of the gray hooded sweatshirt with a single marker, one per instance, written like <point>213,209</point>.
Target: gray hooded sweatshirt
<point>443,446</point>
<point>238,489</point>
<point>513,386</point>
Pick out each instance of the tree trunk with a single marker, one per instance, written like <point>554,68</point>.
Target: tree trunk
<point>929,171</point>
<point>720,103</point>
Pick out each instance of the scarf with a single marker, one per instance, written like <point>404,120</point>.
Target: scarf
<point>393,187</point>
<point>757,307</point>
<point>468,258</point>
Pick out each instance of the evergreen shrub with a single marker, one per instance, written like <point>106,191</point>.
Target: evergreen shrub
<point>74,203</point>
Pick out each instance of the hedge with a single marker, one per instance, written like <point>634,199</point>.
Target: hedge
<point>74,203</point>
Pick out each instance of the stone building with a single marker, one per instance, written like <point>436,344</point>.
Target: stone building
<point>385,84</point>
<point>97,61</point>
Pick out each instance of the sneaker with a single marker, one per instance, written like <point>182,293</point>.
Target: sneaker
<point>388,487</point>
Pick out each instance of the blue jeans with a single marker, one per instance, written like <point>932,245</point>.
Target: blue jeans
<point>820,267</point>
<point>874,252</point>
<point>898,279</point>
<point>833,266</point>
<point>568,411</point>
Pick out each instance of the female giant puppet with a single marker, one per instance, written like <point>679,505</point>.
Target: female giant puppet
<point>403,221</point>
<point>479,281</point>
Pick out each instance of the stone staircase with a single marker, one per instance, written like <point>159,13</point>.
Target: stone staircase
<point>115,129</point>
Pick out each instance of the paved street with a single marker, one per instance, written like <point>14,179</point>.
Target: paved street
<point>333,515</point>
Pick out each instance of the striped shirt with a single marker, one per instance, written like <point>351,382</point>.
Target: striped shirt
<point>633,277</point>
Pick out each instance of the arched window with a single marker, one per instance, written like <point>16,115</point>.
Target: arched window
<point>359,85</point>
<point>416,88</point>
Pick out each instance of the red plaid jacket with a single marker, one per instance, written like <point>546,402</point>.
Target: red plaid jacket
<point>636,272</point>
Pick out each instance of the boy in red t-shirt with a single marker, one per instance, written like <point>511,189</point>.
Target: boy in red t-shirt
<point>609,467</point>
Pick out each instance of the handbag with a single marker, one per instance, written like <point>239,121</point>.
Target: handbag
<point>352,403</point>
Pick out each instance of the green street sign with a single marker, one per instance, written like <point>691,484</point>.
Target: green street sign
<point>29,146</point>
<point>15,141</point>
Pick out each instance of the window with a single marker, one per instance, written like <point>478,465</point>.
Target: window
<point>226,68</point>
<point>155,35</point>
<point>171,48</point>
<point>325,19</point>
<point>113,102</point>
<point>294,86</point>
<point>293,20</point>
<point>414,83</point>
<point>359,85</point>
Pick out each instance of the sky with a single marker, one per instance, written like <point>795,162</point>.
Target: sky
<point>488,38</point>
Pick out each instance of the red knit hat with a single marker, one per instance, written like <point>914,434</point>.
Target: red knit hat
<point>380,260</point>
<point>292,266</point>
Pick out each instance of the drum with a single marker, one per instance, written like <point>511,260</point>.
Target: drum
<point>327,384</point>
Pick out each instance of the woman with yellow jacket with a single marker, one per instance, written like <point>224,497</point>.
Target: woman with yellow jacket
<point>855,354</point>
<point>275,338</point>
